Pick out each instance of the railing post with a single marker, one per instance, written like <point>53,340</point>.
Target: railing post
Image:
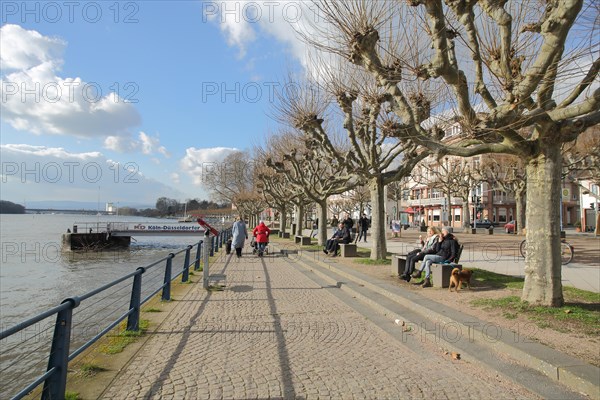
<point>220,239</point>
<point>166,293</point>
<point>198,255</point>
<point>55,385</point>
<point>133,321</point>
<point>212,246</point>
<point>206,245</point>
<point>186,265</point>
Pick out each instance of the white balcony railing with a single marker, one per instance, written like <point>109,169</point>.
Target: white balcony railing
<point>456,201</point>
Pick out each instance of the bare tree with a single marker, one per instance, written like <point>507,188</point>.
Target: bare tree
<point>508,173</point>
<point>310,173</point>
<point>225,181</point>
<point>373,152</point>
<point>250,204</point>
<point>454,177</point>
<point>276,193</point>
<point>582,157</point>
<point>502,67</point>
<point>358,198</point>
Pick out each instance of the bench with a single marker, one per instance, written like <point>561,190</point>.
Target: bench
<point>440,273</point>
<point>303,240</point>
<point>398,264</point>
<point>348,250</point>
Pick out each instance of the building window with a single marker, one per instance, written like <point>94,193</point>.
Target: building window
<point>436,217</point>
<point>502,215</point>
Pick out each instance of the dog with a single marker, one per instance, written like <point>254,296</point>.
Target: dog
<point>458,277</point>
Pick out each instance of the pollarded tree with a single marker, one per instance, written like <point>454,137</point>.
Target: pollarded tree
<point>276,193</point>
<point>454,176</point>
<point>307,171</point>
<point>373,153</point>
<point>583,156</point>
<point>503,67</point>
<point>359,198</point>
<point>509,174</point>
<point>250,203</point>
<point>231,180</point>
<point>396,192</point>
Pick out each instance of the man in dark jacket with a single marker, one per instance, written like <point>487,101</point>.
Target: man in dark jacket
<point>348,222</point>
<point>363,226</point>
<point>445,252</point>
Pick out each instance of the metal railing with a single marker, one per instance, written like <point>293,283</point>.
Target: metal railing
<point>55,377</point>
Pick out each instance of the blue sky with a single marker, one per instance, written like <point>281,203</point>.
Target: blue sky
<point>168,86</point>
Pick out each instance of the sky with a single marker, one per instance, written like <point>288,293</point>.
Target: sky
<point>125,102</point>
<point>129,101</point>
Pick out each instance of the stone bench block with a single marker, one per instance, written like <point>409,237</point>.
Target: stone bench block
<point>303,240</point>
<point>440,274</point>
<point>348,250</point>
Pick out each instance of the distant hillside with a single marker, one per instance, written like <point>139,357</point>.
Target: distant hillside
<point>8,207</point>
<point>81,205</point>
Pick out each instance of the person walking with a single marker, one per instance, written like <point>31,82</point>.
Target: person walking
<point>261,233</point>
<point>240,234</point>
<point>363,226</point>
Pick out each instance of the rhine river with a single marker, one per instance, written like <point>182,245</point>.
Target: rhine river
<point>36,275</point>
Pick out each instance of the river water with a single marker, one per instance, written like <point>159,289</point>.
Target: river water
<point>36,275</point>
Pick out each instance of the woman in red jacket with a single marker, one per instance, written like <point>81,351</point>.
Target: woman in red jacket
<point>261,233</point>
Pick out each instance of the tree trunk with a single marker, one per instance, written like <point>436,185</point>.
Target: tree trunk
<point>299,219</point>
<point>520,204</point>
<point>379,248</point>
<point>282,219</point>
<point>543,284</point>
<point>449,216</point>
<point>322,229</point>
<point>466,213</point>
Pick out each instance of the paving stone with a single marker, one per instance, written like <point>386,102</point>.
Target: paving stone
<point>275,333</point>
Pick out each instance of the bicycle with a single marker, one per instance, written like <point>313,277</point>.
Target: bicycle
<point>567,251</point>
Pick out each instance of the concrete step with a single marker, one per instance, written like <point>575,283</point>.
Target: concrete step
<point>542,369</point>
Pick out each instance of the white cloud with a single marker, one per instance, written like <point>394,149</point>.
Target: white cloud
<point>196,161</point>
<point>175,178</point>
<point>36,99</point>
<point>120,144</point>
<point>23,49</point>
<point>144,143</point>
<point>24,150</point>
<point>40,173</point>
<point>242,22</point>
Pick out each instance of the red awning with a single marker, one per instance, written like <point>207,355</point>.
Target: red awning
<point>410,210</point>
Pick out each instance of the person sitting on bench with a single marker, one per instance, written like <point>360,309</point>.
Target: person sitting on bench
<point>427,247</point>
<point>446,250</point>
<point>342,235</point>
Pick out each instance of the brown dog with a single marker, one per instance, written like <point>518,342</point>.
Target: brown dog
<point>458,277</point>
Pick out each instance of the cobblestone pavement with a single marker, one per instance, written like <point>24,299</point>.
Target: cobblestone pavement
<point>275,333</point>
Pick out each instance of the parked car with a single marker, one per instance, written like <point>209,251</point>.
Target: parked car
<point>483,223</point>
<point>509,227</point>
